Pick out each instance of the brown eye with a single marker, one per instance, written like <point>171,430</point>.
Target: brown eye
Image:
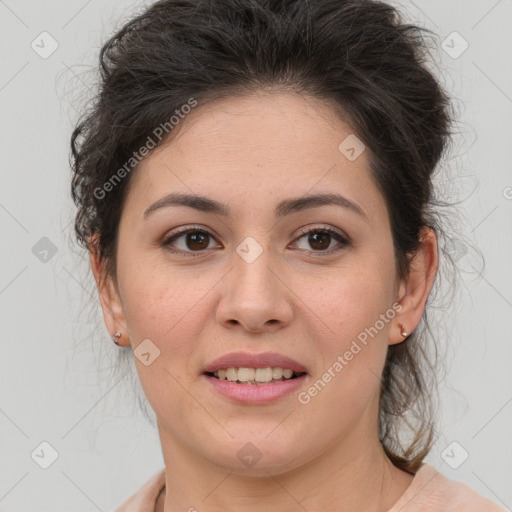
<point>319,239</point>
<point>194,240</point>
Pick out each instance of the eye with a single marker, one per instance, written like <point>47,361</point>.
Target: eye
<point>320,239</point>
<point>197,240</point>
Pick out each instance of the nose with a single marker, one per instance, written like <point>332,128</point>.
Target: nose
<point>255,296</point>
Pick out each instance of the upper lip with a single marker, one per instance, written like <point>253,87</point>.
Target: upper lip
<point>248,360</point>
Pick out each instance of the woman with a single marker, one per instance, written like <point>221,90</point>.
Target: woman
<point>254,185</point>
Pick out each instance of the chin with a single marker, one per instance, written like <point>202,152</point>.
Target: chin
<point>257,455</point>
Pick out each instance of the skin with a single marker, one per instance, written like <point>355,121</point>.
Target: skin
<point>250,153</point>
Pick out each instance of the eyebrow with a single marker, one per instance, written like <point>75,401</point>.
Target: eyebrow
<point>286,207</point>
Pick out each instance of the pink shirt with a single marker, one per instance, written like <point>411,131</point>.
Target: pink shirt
<point>429,491</point>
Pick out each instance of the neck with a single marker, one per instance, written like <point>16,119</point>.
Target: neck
<point>345,477</point>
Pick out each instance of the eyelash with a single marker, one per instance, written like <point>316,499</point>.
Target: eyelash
<point>326,230</point>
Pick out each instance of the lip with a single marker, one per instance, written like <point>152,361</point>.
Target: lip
<point>255,393</point>
<point>248,360</point>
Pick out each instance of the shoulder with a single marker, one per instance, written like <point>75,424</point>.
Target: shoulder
<point>144,499</point>
<point>430,491</point>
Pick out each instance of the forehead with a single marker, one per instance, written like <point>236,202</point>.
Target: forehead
<point>251,150</point>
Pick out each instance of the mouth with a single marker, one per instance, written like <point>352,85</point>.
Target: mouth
<point>255,376</point>
<point>251,378</point>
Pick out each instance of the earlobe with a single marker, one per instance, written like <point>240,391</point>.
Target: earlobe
<point>415,288</point>
<point>113,314</point>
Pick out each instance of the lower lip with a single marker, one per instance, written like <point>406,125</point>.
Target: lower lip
<point>255,393</point>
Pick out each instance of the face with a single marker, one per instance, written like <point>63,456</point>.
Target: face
<point>258,286</point>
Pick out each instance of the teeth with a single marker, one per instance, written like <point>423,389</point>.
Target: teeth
<point>254,375</point>
<point>277,373</point>
<point>232,374</point>
<point>246,374</point>
<point>263,375</point>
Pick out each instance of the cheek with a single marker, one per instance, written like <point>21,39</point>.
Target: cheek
<point>157,299</point>
<point>163,309</point>
<point>350,304</point>
<point>355,314</point>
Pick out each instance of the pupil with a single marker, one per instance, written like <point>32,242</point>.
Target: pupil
<point>321,236</point>
<point>196,238</point>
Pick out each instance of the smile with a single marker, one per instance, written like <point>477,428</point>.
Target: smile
<point>255,376</point>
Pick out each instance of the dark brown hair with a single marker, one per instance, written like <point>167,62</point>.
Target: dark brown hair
<point>357,55</point>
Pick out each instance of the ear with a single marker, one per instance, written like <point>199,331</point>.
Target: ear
<point>415,288</point>
<point>113,314</point>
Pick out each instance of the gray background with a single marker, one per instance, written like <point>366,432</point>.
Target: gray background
<point>56,384</point>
